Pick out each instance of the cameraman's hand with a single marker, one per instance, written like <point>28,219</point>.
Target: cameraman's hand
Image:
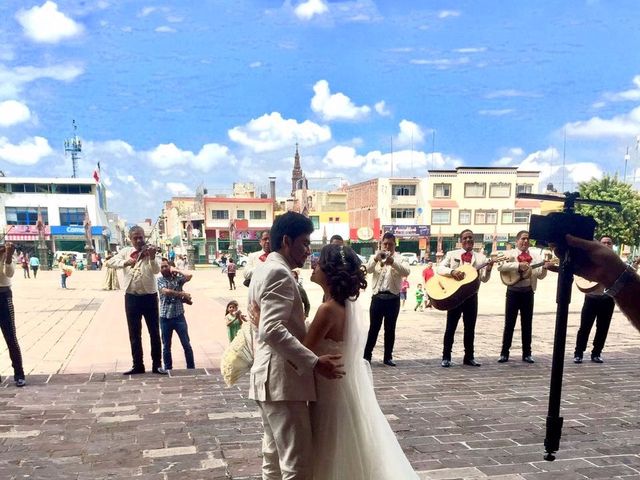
<point>457,274</point>
<point>329,366</point>
<point>595,261</point>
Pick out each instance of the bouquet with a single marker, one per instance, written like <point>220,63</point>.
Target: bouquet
<point>237,359</point>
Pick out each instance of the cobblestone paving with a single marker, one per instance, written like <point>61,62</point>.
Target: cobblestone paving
<point>452,423</point>
<point>462,422</point>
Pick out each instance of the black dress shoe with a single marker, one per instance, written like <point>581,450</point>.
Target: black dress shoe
<point>597,359</point>
<point>503,358</point>
<point>389,363</point>
<point>446,363</point>
<point>577,359</point>
<point>20,382</point>
<point>528,359</point>
<point>471,362</point>
<point>134,371</point>
<point>160,371</point>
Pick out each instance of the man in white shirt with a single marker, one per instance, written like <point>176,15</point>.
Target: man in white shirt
<point>256,258</point>
<point>140,265</point>
<point>388,267</point>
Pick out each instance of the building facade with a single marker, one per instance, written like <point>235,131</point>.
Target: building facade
<point>63,204</point>
<point>235,224</point>
<point>482,199</point>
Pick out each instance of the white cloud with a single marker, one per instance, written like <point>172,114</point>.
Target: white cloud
<point>13,112</point>
<point>376,163</point>
<point>448,13</point>
<point>583,171</point>
<point>255,64</point>
<point>620,126</point>
<point>381,108</point>
<point>271,132</point>
<point>470,50</point>
<point>496,112</point>
<point>511,93</point>
<point>544,161</point>
<point>168,156</point>
<point>147,11</point>
<point>632,95</point>
<point>165,29</point>
<point>511,156</point>
<point>27,152</point>
<point>46,24</point>
<point>441,63</point>
<point>307,10</point>
<point>12,80</point>
<point>410,134</point>
<point>177,188</point>
<point>335,106</point>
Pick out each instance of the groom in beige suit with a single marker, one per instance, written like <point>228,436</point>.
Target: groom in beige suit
<point>282,374</point>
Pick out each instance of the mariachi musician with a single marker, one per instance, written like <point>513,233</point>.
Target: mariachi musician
<point>468,309</point>
<point>528,267</point>
<point>598,306</point>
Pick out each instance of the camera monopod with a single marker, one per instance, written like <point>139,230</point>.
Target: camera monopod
<point>550,230</point>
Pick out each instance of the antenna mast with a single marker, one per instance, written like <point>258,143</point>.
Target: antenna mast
<point>74,146</point>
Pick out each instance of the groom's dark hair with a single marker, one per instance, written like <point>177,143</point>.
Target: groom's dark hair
<point>292,225</point>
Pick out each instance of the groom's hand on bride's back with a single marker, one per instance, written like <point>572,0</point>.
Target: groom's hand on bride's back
<point>330,366</point>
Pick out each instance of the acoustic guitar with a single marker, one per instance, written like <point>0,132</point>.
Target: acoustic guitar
<point>446,293</point>
<point>584,285</point>
<point>513,277</point>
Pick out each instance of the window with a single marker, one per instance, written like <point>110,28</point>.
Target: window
<point>521,216</point>
<point>71,216</point>
<point>440,217</point>
<point>464,217</point>
<point>475,190</point>
<point>316,222</point>
<point>403,213</point>
<point>240,214</point>
<point>25,215</point>
<point>486,217</point>
<point>500,190</point>
<point>72,189</point>
<point>257,214</point>
<point>403,190</point>
<point>524,188</point>
<point>220,214</point>
<point>442,190</point>
<point>507,216</point>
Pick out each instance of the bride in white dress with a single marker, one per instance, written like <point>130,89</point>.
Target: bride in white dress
<point>351,436</point>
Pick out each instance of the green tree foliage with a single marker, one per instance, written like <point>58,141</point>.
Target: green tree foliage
<point>623,226</point>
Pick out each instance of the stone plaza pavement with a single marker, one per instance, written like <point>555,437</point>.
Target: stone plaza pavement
<point>79,418</point>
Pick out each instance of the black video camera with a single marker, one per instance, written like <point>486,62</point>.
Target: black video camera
<point>552,228</point>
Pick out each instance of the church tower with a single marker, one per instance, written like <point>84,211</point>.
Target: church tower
<point>298,180</point>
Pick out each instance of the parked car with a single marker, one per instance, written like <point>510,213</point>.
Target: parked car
<point>362,258</point>
<point>242,260</point>
<point>411,257</point>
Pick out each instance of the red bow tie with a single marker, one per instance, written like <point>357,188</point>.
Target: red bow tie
<point>467,257</point>
<point>524,257</point>
<point>263,257</point>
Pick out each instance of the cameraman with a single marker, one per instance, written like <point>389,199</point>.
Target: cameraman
<point>172,318</point>
<point>598,263</point>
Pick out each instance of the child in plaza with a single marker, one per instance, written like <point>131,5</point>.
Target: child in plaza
<point>234,318</point>
<point>404,287</point>
<point>419,298</point>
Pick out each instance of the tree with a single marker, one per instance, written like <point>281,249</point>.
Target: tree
<point>623,226</point>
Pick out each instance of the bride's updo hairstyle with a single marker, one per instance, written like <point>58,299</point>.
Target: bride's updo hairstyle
<point>344,272</point>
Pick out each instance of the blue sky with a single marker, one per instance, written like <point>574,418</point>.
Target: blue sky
<point>172,94</point>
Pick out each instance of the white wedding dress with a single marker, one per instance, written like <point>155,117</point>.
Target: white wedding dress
<point>351,436</point>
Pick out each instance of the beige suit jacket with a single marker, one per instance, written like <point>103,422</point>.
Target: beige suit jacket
<point>453,259</point>
<point>282,366</point>
<point>512,264</point>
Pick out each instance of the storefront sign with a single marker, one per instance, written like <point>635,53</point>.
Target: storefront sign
<point>78,230</point>
<point>408,230</point>
<point>17,233</point>
<point>488,237</point>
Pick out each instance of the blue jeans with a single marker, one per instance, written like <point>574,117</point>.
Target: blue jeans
<point>63,280</point>
<point>167,326</point>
